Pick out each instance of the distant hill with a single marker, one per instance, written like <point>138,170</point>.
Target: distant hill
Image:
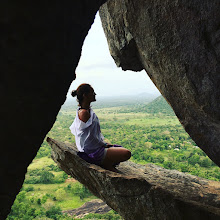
<point>158,105</point>
<point>115,101</point>
<point>138,103</point>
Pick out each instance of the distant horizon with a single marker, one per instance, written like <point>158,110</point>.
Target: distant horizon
<point>132,95</point>
<point>137,97</point>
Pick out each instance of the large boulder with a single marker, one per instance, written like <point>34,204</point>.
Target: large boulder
<point>178,44</point>
<point>40,45</point>
<point>143,192</point>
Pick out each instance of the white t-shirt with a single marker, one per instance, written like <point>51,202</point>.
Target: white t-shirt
<point>88,135</point>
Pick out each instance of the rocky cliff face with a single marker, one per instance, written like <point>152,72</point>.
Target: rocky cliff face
<point>40,48</point>
<point>178,44</point>
<point>143,192</point>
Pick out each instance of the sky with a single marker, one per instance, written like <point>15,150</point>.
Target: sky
<point>97,68</point>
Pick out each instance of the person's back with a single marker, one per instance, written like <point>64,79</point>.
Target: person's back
<point>86,129</point>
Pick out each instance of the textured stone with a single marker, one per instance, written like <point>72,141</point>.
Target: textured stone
<point>93,206</point>
<point>178,44</point>
<point>143,192</point>
<point>40,48</point>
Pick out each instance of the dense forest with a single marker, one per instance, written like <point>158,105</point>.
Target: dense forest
<point>150,130</point>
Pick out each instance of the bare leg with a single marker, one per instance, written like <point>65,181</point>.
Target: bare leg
<point>115,155</point>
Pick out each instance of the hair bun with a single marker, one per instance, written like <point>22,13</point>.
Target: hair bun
<point>74,93</point>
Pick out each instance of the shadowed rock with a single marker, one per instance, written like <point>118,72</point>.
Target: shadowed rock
<point>143,191</point>
<point>178,44</point>
<point>40,46</point>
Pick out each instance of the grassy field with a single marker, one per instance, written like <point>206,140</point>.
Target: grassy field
<point>140,118</point>
<point>41,163</point>
<point>68,200</point>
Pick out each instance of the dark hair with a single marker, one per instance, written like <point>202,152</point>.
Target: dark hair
<point>81,90</point>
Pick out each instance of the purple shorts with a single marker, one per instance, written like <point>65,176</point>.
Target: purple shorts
<point>97,157</point>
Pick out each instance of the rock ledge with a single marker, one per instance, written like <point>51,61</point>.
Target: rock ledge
<point>143,191</point>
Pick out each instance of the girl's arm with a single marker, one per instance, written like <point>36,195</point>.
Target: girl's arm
<point>84,115</point>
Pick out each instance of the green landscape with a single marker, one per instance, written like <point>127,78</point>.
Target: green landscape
<point>149,128</point>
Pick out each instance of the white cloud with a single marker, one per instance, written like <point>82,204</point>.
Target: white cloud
<point>97,68</point>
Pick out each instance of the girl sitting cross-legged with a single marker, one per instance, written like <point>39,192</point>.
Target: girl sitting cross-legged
<point>88,136</point>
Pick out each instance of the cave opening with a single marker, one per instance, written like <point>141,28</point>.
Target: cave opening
<point>97,68</point>
<point>36,77</point>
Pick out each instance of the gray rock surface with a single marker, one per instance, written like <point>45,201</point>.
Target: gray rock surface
<point>178,44</point>
<point>93,206</point>
<point>143,192</point>
<point>40,46</point>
